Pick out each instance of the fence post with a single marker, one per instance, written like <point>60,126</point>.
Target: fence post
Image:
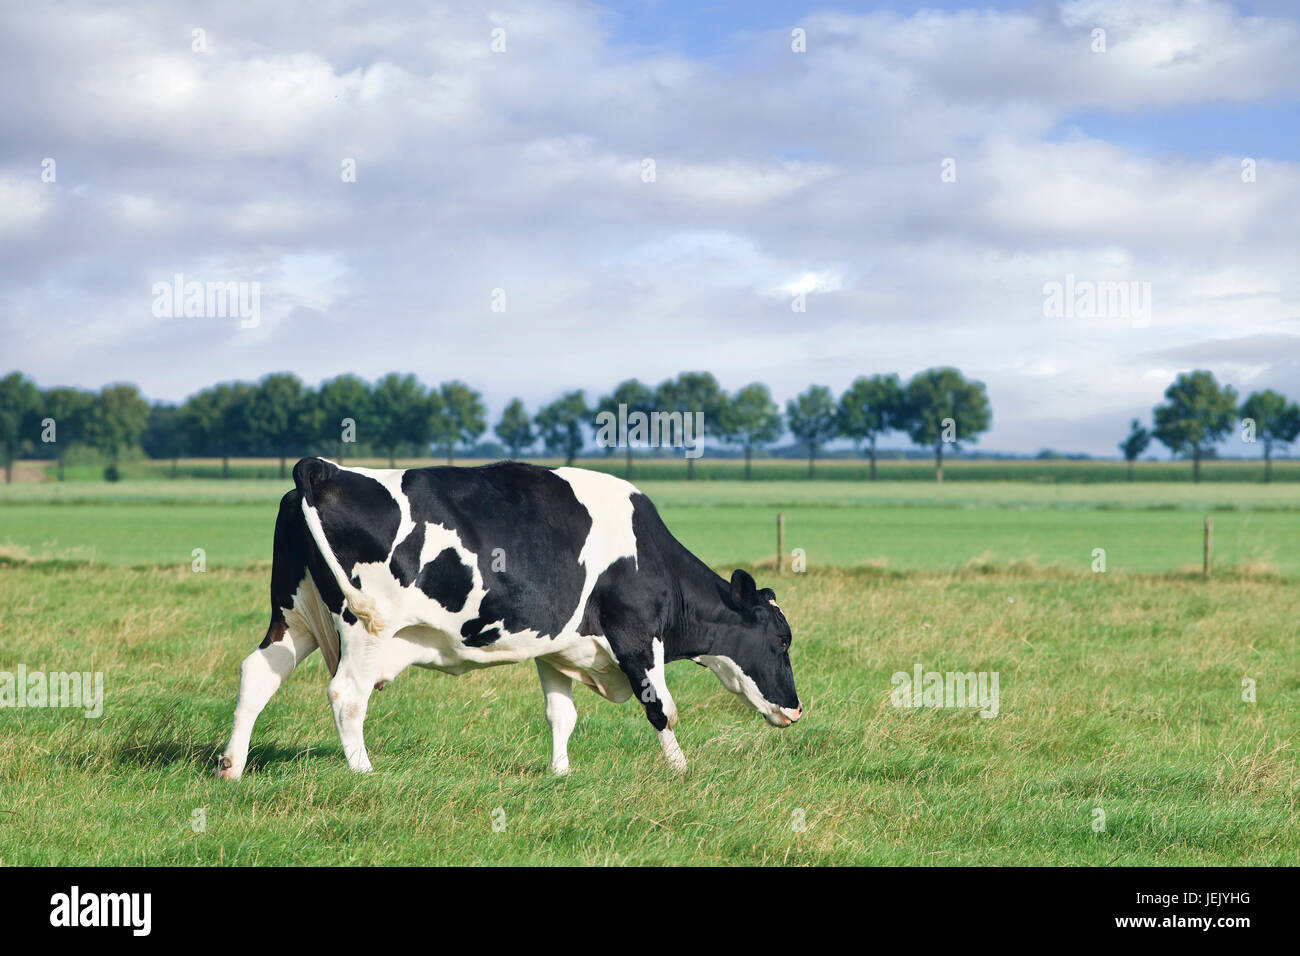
<point>1209,534</point>
<point>780,543</point>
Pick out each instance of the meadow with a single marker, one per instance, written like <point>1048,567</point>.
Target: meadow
<point>1122,692</point>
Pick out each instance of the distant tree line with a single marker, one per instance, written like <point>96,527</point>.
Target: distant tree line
<point>1198,413</point>
<point>281,417</point>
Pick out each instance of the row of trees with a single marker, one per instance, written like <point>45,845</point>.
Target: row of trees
<point>347,416</point>
<point>111,421</point>
<point>282,417</point>
<point>1198,413</point>
<point>937,407</point>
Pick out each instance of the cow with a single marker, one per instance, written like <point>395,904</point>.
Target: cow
<point>459,568</point>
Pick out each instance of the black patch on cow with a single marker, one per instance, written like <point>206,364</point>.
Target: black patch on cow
<point>610,598</point>
<point>289,557</point>
<point>274,633</point>
<point>481,638</point>
<point>405,564</point>
<point>359,516</point>
<point>640,592</point>
<point>446,580</point>
<point>289,552</point>
<point>309,473</point>
<point>533,517</point>
<point>348,616</point>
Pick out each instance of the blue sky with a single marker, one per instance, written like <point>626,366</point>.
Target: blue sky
<point>815,178</point>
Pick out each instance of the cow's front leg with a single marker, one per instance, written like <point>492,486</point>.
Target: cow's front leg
<point>646,674</point>
<point>260,676</point>
<point>349,692</point>
<point>557,689</point>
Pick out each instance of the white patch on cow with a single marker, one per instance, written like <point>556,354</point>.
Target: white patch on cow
<point>672,751</point>
<point>557,689</point>
<point>741,684</point>
<point>590,660</point>
<point>310,616</point>
<point>608,501</point>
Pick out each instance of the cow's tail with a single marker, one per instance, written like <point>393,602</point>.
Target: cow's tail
<point>309,474</point>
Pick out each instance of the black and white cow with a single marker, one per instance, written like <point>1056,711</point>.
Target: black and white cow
<point>459,568</point>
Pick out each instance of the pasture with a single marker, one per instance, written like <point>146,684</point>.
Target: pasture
<point>1120,692</point>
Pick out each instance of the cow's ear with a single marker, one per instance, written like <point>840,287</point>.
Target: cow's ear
<point>743,593</point>
<point>768,595</point>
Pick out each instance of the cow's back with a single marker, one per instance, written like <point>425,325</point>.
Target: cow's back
<point>510,548</point>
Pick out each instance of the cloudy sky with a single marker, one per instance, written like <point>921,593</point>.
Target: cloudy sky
<point>919,173</point>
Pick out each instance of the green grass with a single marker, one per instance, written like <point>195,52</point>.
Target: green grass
<point>1119,691</point>
<point>898,526</point>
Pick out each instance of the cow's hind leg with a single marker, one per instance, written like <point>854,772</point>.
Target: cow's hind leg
<point>349,691</point>
<point>560,713</point>
<point>260,676</point>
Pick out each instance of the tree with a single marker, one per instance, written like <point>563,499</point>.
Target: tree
<point>278,417</point>
<point>236,430</point>
<point>515,428</point>
<point>342,409</point>
<point>1197,413</point>
<point>560,424</point>
<point>70,410</point>
<point>1277,421</point>
<point>115,422</point>
<point>638,398</point>
<point>870,408</point>
<point>456,416</point>
<point>689,393</point>
<point>19,399</point>
<point>811,417</point>
<point>943,408</point>
<point>400,408</point>
<point>751,419</point>
<point>163,435</point>
<point>1135,444</point>
<point>200,420</point>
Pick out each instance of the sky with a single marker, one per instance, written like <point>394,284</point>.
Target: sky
<point>638,189</point>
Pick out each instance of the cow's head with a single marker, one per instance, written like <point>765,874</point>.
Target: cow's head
<point>753,659</point>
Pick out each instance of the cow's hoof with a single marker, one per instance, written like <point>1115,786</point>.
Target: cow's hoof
<point>560,769</point>
<point>677,763</point>
<point>226,770</point>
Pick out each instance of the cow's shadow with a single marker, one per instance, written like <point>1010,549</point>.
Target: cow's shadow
<point>166,752</point>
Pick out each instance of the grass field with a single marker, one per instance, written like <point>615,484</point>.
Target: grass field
<point>1120,692</point>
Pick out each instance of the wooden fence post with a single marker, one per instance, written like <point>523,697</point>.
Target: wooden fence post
<point>780,543</point>
<point>1209,534</point>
